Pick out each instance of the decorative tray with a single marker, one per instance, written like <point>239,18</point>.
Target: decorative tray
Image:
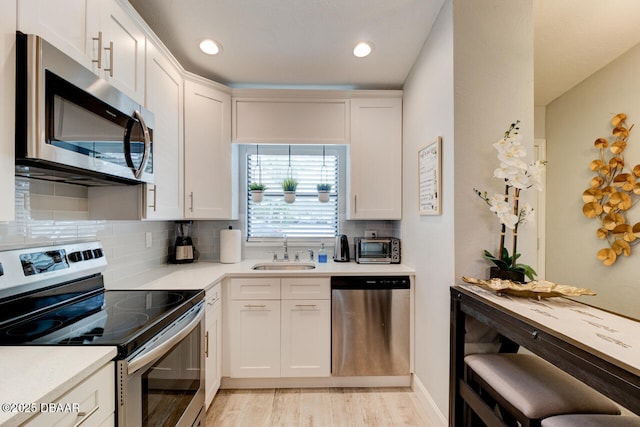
<point>533,289</point>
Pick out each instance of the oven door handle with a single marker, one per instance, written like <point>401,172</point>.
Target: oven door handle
<point>155,352</point>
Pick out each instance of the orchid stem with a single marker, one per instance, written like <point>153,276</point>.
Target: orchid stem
<point>516,196</point>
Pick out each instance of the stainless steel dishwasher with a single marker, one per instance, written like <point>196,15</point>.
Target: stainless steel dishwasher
<point>370,325</point>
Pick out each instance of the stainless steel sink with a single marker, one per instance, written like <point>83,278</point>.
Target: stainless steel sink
<point>284,266</point>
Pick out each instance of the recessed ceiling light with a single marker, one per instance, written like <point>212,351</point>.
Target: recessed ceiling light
<point>209,47</point>
<point>362,49</point>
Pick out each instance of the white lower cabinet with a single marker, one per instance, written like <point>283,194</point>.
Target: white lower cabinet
<point>95,398</point>
<point>284,332</point>
<point>305,339</point>
<point>213,342</point>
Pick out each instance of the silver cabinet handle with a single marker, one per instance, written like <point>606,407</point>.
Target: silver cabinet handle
<point>155,199</point>
<point>191,198</point>
<point>99,40</point>
<point>255,306</point>
<point>86,415</point>
<point>355,203</point>
<point>110,49</point>
<point>306,305</point>
<point>206,344</point>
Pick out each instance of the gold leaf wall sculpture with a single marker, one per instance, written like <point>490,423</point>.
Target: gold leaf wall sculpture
<point>612,193</point>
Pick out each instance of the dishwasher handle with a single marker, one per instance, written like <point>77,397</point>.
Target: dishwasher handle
<point>370,282</point>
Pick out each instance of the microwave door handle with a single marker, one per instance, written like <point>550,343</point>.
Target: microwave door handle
<point>154,353</point>
<point>137,172</point>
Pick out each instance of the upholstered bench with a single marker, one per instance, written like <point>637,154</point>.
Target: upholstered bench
<point>530,389</point>
<point>592,420</point>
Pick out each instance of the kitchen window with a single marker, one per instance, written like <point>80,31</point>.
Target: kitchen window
<point>307,217</point>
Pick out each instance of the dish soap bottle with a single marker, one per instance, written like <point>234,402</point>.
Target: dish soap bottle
<point>322,254</point>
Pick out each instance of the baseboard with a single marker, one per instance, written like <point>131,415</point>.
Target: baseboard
<point>425,398</point>
<point>377,381</point>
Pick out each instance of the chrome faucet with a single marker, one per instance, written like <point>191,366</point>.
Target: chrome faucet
<point>285,256</point>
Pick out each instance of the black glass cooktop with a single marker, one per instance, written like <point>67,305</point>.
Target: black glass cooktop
<point>125,319</point>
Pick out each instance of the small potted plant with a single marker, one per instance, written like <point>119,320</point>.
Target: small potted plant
<point>257,191</point>
<point>289,186</point>
<point>323,192</point>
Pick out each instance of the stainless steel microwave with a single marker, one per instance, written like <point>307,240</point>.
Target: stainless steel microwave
<point>381,250</point>
<point>72,125</point>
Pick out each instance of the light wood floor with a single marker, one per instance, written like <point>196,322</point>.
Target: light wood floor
<point>320,407</point>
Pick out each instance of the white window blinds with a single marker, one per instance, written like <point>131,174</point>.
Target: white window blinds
<point>307,216</point>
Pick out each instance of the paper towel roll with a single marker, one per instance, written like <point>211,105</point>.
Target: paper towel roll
<point>230,246</point>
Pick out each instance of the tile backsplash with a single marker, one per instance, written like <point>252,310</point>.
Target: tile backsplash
<point>50,213</point>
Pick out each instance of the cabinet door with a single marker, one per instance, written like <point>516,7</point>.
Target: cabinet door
<point>95,400</point>
<point>70,25</point>
<point>254,338</point>
<point>375,186</point>
<point>7,110</point>
<point>164,97</point>
<point>306,338</point>
<point>210,166</point>
<point>213,344</point>
<point>123,44</point>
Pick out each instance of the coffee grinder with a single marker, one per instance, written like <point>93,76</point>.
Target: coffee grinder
<point>184,252</point>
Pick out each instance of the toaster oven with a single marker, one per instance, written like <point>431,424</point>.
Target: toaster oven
<point>380,250</point>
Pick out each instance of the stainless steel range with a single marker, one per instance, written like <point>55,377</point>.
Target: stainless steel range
<point>56,296</point>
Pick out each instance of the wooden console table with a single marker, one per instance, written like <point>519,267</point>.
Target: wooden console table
<point>597,347</point>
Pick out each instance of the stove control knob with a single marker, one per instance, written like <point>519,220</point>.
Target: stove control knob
<point>1,270</point>
<point>88,254</point>
<point>75,257</point>
<point>97,253</point>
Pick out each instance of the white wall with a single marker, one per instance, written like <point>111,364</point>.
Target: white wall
<point>573,122</point>
<point>427,241</point>
<point>473,78</point>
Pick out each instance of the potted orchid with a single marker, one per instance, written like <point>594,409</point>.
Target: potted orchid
<point>517,175</point>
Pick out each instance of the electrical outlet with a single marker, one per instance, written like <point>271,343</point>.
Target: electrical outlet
<point>148,239</point>
<point>370,234</point>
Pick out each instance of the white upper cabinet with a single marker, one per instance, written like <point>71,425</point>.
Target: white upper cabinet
<point>164,97</point>
<point>123,50</point>
<point>268,119</point>
<point>100,34</point>
<point>375,176</point>
<point>70,25</point>
<point>7,110</point>
<point>211,173</point>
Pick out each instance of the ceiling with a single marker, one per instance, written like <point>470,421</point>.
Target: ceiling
<point>293,43</point>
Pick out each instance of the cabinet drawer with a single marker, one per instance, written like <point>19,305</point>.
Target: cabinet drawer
<point>306,288</point>
<point>255,288</point>
<point>95,397</point>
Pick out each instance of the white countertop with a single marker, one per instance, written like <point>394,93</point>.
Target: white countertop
<point>43,374</point>
<point>201,275</point>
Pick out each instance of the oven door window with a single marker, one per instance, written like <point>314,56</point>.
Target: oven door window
<point>374,250</point>
<point>171,384</point>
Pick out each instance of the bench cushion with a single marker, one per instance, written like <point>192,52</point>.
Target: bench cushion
<point>537,388</point>
<point>590,420</point>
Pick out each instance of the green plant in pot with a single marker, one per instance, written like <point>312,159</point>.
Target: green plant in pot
<point>257,191</point>
<point>517,175</point>
<point>323,192</point>
<point>289,186</point>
